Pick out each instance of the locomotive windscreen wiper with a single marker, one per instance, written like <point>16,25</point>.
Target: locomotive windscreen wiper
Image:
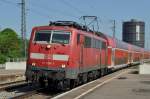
<point>59,42</point>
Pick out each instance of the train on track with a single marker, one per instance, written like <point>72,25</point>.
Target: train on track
<point>65,54</point>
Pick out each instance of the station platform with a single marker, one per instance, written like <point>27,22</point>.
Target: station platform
<point>124,84</point>
<point>127,86</point>
<point>11,72</point>
<point>11,75</point>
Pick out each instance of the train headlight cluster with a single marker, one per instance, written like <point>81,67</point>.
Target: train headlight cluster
<point>33,64</point>
<point>63,66</point>
<point>48,46</point>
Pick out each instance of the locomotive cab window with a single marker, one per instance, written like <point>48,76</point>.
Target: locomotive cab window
<point>61,37</point>
<point>42,36</point>
<point>47,36</point>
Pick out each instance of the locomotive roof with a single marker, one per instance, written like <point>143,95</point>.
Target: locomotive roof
<point>71,24</point>
<point>110,40</point>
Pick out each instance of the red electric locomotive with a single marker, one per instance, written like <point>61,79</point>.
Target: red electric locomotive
<point>65,54</point>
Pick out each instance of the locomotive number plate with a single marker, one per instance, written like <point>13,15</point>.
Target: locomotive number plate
<point>48,56</point>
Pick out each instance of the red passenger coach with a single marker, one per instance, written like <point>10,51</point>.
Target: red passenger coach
<point>65,54</point>
<point>118,53</point>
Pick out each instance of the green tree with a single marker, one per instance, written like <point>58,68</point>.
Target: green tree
<point>9,45</point>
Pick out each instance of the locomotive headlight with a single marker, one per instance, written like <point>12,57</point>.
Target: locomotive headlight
<point>48,46</point>
<point>33,64</point>
<point>63,65</point>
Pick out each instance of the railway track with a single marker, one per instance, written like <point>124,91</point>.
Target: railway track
<point>4,78</point>
<point>23,90</point>
<point>10,85</point>
<point>27,94</point>
<point>17,89</point>
<point>39,93</point>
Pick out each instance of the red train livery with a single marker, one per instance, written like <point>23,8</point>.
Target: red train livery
<point>65,54</point>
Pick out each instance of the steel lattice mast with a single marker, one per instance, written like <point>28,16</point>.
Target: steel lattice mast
<point>23,26</point>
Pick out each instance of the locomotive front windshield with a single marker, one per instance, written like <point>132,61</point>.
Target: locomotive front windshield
<point>42,36</point>
<point>61,37</point>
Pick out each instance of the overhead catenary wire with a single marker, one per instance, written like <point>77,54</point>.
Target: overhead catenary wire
<point>35,11</point>
<point>47,9</point>
<point>65,2</point>
<point>53,10</point>
<point>7,1</point>
<point>39,13</point>
<point>32,10</point>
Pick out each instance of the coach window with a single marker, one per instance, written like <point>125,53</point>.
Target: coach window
<point>87,41</point>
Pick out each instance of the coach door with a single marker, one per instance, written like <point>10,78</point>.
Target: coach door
<point>103,55</point>
<point>100,54</point>
<point>129,57</point>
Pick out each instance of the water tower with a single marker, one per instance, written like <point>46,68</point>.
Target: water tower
<point>134,32</point>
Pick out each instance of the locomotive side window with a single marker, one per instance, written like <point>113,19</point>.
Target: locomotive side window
<point>93,43</point>
<point>103,45</point>
<point>42,36</point>
<point>87,43</point>
<point>96,43</point>
<point>78,38</point>
<point>61,37</point>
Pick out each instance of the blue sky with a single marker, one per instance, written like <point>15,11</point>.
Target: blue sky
<point>40,12</point>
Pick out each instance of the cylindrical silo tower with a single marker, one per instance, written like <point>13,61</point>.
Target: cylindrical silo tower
<point>133,32</point>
